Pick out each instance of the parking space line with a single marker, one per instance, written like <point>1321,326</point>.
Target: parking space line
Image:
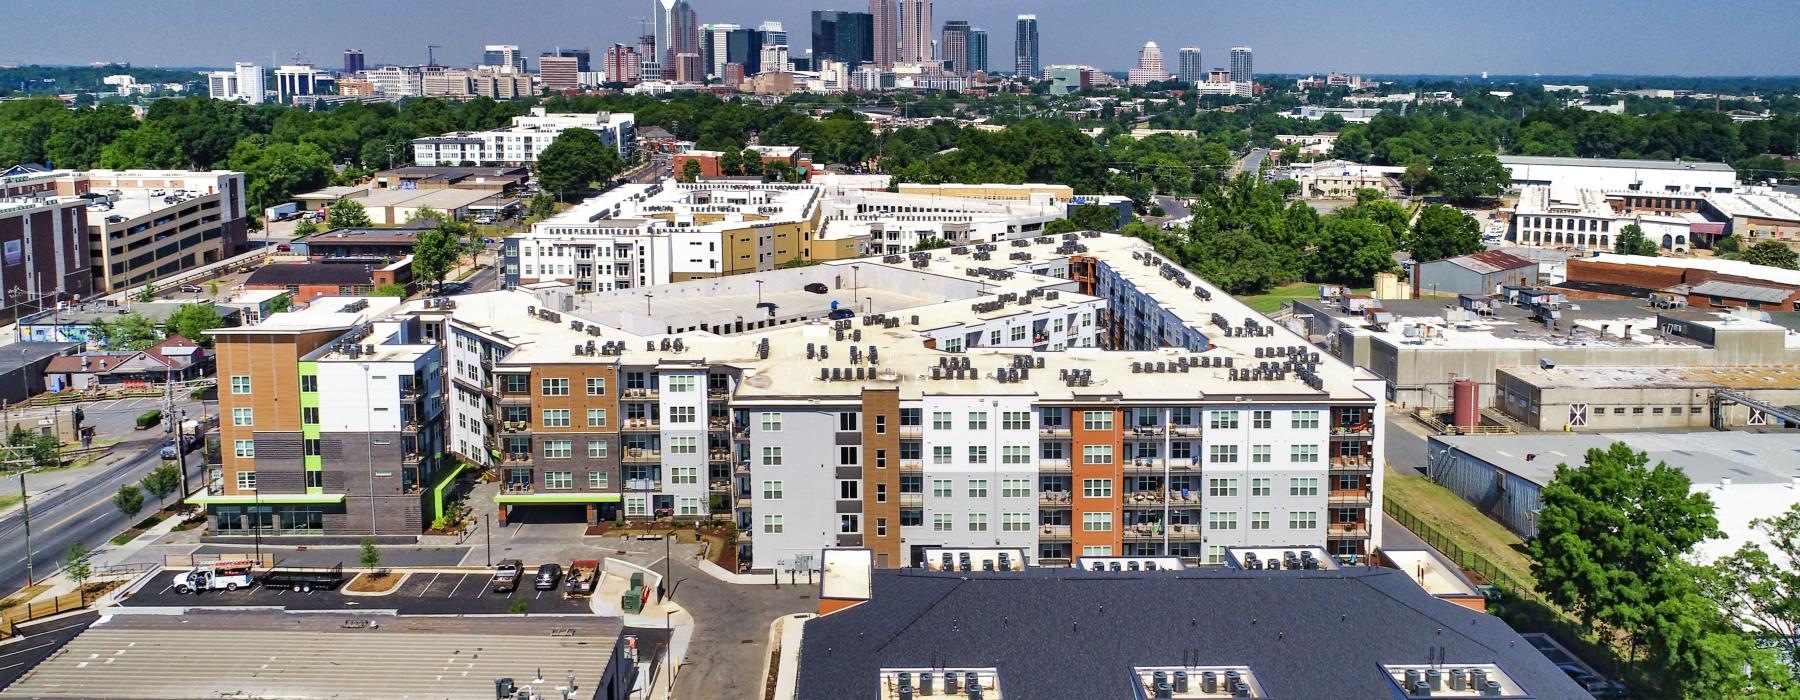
<point>481,591</point>
<point>539,596</point>
<point>429,584</point>
<point>459,583</point>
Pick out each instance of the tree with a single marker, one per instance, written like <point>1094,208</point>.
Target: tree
<point>1773,254</point>
<point>1631,241</point>
<point>370,555</point>
<point>129,500</point>
<point>1093,217</point>
<point>575,160</point>
<point>146,294</point>
<point>275,172</point>
<point>162,481</point>
<point>1469,174</point>
<point>151,146</point>
<point>1607,531</point>
<point>78,564</point>
<point>435,251</point>
<point>130,331</point>
<point>1727,247</point>
<point>753,162</point>
<point>1351,249</point>
<point>1419,179</point>
<point>1698,649</point>
<point>194,321</point>
<point>543,206</point>
<point>42,449</point>
<point>390,290</point>
<point>930,243</point>
<point>347,213</point>
<point>690,170</point>
<point>306,227</point>
<point>281,303</point>
<point>1443,232</point>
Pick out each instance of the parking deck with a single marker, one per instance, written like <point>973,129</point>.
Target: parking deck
<point>426,593</point>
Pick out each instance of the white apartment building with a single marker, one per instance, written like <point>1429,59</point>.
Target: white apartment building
<point>243,83</point>
<point>524,141</point>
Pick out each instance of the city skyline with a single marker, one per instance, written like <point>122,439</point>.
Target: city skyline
<point>1447,39</point>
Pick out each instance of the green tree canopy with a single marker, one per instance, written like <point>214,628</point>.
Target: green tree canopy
<point>347,213</point>
<point>1351,249</point>
<point>162,481</point>
<point>390,290</point>
<point>1632,241</point>
<point>128,331</point>
<point>43,450</point>
<point>435,251</point>
<point>1443,232</point>
<point>1771,253</point>
<point>129,500</point>
<point>194,322</point>
<point>1469,174</point>
<point>690,170</point>
<point>575,160</point>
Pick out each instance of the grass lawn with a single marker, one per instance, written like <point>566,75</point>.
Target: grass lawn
<point>1460,522</point>
<point>1272,301</point>
<point>8,500</point>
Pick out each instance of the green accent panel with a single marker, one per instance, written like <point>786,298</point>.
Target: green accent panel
<point>273,498</point>
<point>437,492</point>
<point>527,499</point>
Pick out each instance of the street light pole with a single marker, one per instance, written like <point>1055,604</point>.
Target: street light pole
<point>487,530</point>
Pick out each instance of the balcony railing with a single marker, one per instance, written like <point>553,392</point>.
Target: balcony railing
<point>515,426</point>
<point>1352,464</point>
<point>643,484</point>
<point>515,398</point>
<point>519,487</point>
<point>718,425</point>
<point>1353,432</point>
<point>640,394</point>
<point>718,456</point>
<point>1350,499</point>
<point>1054,464</point>
<point>912,500</point>
<point>912,431</point>
<point>1054,532</point>
<point>641,454</point>
<point>641,424</point>
<point>741,468</point>
<point>1348,530</point>
<point>719,486</point>
<point>1056,498</point>
<point>1054,431</point>
<point>1185,430</point>
<point>516,458</point>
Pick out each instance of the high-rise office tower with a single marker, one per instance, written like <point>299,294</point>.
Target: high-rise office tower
<point>978,50</point>
<point>1025,48</point>
<point>847,37</point>
<point>683,39</point>
<point>669,19</point>
<point>559,72</point>
<point>583,57</point>
<point>1149,68</point>
<point>353,60</point>
<point>775,53</point>
<point>295,80</point>
<point>250,88</point>
<point>887,32</point>
<point>622,64</point>
<point>772,33</point>
<point>1241,71</point>
<point>503,56</point>
<point>915,31</point>
<point>743,47</point>
<point>713,46</point>
<point>1192,69</point>
<point>954,50</point>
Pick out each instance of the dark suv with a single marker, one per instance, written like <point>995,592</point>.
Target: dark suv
<point>547,577</point>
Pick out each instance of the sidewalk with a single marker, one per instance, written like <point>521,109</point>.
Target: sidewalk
<point>104,556</point>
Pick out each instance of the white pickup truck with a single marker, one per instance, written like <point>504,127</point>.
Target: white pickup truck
<point>228,575</point>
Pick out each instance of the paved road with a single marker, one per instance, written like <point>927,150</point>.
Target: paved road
<point>1252,161</point>
<point>81,511</point>
<point>1172,207</point>
<point>731,631</point>
<point>486,279</point>
<point>38,642</point>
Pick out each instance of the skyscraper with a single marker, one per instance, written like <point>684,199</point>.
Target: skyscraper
<point>503,56</point>
<point>1193,70</point>
<point>622,64</point>
<point>1025,48</point>
<point>915,31</point>
<point>843,36</point>
<point>886,32</point>
<point>978,50</point>
<point>1149,67</point>
<point>583,58</point>
<point>560,72</point>
<point>1241,71</point>
<point>955,47</point>
<point>353,60</point>
<point>744,48</point>
<point>713,48</point>
<point>677,31</point>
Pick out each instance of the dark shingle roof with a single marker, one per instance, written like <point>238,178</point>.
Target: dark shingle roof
<point>1058,633</point>
<point>309,273</point>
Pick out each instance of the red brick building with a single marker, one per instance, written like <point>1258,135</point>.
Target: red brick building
<point>1706,282</point>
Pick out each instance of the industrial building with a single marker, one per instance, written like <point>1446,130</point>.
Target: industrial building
<point>1020,392</point>
<point>1621,175</point>
<point>1039,634</point>
<point>1747,475</point>
<point>1582,399</point>
<point>1700,283</point>
<point>1477,273</point>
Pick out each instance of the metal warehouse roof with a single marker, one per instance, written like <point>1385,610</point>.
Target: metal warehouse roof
<point>1488,262</point>
<point>1616,163</point>
<point>1736,290</point>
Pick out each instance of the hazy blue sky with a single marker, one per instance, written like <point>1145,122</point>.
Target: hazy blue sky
<point>1736,37</point>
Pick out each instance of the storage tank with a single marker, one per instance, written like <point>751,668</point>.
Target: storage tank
<point>1465,403</point>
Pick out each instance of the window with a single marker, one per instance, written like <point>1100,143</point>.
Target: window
<point>849,456</point>
<point>849,490</point>
<point>1015,488</point>
<point>881,527</point>
<point>1221,487</point>
<point>1259,487</point>
<point>1015,454</point>
<point>942,454</point>
<point>515,383</point>
<point>772,524</point>
<point>309,415</point>
<point>1096,522</point>
<point>243,416</point>
<point>1096,454</point>
<point>771,490</point>
<point>1015,522</point>
<point>1303,453</point>
<point>1222,454</point>
<point>1262,420</point>
<point>596,417</point>
<point>911,449</point>
<point>313,447</point>
<point>881,425</point>
<point>847,422</point>
<point>684,475</point>
<point>1215,554</point>
<point>849,523</point>
<point>240,384</point>
<point>1259,520</point>
<point>994,337</point>
<point>640,505</point>
<point>912,417</point>
<point>1259,454</point>
<point>1052,417</point>
<point>597,449</point>
<point>559,449</point>
<point>978,420</point>
<point>1096,420</point>
<point>941,488</point>
<point>596,386</point>
<point>1219,420</point>
<point>1222,520</point>
<point>556,418</point>
<point>1054,450</point>
<point>309,383</point>
<point>597,479</point>
<point>687,506</point>
<point>978,488</point>
<point>940,522</point>
<point>246,481</point>
<point>1096,550</point>
<point>771,456</point>
<point>771,422</point>
<point>1096,488</point>
<point>681,383</point>
<point>244,449</point>
<point>941,420</point>
<point>684,445</point>
<point>1018,333</point>
<point>553,386</point>
<point>978,522</point>
<point>978,454</point>
<point>560,480</point>
<point>681,414</point>
<point>1303,520</point>
<point>1308,486</point>
<point>1305,420</point>
<point>1015,420</point>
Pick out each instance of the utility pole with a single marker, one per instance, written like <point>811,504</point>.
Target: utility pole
<point>24,464</point>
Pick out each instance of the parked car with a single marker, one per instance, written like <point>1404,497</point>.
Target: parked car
<point>840,314</point>
<point>506,576</point>
<point>817,288</point>
<point>484,220</point>
<point>547,577</point>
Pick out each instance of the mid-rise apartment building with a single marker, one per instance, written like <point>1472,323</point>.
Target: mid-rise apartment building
<point>43,253</point>
<point>1068,396</point>
<point>522,143</point>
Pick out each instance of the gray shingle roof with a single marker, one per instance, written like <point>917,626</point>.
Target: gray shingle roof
<point>1059,633</point>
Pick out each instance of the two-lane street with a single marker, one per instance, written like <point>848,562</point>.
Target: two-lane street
<point>81,510</point>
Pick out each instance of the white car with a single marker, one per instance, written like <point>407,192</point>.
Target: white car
<point>484,220</point>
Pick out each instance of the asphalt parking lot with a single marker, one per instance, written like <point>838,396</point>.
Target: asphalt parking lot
<point>419,594</point>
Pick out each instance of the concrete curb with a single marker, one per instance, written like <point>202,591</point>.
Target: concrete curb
<point>345,589</point>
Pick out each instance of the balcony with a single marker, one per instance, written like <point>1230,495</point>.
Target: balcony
<point>515,398</point>
<point>640,425</point>
<point>1354,465</point>
<point>643,484</point>
<point>912,500</point>
<point>1053,431</point>
<point>1053,464</point>
<point>1189,431</point>
<point>1349,499</point>
<point>409,393</point>
<point>640,394</point>
<point>912,466</point>
<point>1348,531</point>
<point>515,426</point>
<point>718,456</point>
<point>717,395</point>
<point>487,362</point>
<point>519,487</point>
<point>912,431</point>
<point>1360,433</point>
<point>516,459</point>
<point>741,468</point>
<point>740,431</point>
<point>640,454</point>
<point>719,486</point>
<point>1053,532</point>
<point>718,425</point>
<point>1144,433</point>
<point>1056,499</point>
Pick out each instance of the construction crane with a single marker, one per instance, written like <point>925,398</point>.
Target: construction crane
<point>430,57</point>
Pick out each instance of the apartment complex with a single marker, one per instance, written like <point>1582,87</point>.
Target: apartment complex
<point>522,143</point>
<point>55,269</point>
<point>948,398</point>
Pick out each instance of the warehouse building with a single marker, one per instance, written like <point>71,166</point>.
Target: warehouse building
<point>1477,273</point>
<point>1616,174</point>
